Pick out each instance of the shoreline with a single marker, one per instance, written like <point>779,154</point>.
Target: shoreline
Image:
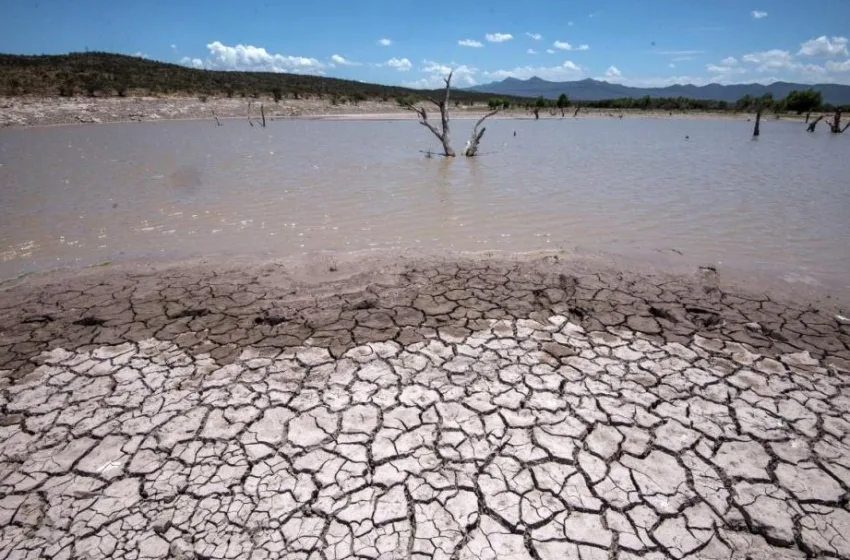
<point>22,112</point>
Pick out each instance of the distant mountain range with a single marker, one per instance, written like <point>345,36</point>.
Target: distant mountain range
<point>592,90</point>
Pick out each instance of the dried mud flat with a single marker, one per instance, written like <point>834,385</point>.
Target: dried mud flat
<point>430,408</point>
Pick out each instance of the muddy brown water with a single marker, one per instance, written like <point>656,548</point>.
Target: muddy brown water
<point>81,195</point>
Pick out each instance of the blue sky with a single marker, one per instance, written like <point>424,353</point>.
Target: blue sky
<point>645,43</point>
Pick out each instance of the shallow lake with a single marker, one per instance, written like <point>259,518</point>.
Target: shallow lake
<point>80,195</point>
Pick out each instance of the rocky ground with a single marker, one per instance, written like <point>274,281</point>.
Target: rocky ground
<point>35,111</point>
<point>430,409</point>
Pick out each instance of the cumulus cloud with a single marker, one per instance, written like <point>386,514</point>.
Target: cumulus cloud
<point>435,72</point>
<point>729,61</point>
<point>385,42</point>
<point>342,61</point>
<point>140,54</point>
<point>833,66</point>
<point>550,51</point>
<point>249,57</point>
<point>535,36</point>
<point>824,46</point>
<point>498,37</point>
<point>613,72</point>
<point>470,43</point>
<point>566,71</point>
<point>531,51</point>
<point>192,62</point>
<point>769,60</point>
<point>400,64</point>
<point>758,14</point>
<point>173,47</point>
<point>564,46</point>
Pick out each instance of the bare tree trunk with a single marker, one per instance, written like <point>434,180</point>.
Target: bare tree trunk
<point>758,120</point>
<point>472,146</point>
<point>217,122</point>
<point>846,126</point>
<point>813,124</point>
<point>263,114</point>
<point>576,113</point>
<point>808,114</point>
<point>249,115</point>
<point>562,112</point>
<point>536,113</point>
<point>444,118</point>
<point>835,125</point>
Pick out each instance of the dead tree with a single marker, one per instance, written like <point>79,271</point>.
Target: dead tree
<point>808,114</point>
<point>263,114</point>
<point>835,125</point>
<point>472,146</point>
<point>249,115</point>
<point>846,126</point>
<point>217,122</point>
<point>758,120</point>
<point>444,118</point>
<point>813,124</point>
<point>577,110</point>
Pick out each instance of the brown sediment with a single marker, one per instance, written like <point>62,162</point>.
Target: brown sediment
<point>517,407</point>
<point>42,111</point>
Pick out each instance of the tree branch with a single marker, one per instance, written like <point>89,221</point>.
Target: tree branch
<point>475,139</point>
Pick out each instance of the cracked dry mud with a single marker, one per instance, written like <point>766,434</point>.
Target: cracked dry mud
<point>463,409</point>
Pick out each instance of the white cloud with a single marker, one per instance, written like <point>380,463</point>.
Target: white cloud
<point>724,69</point>
<point>173,47</point>
<point>192,62</point>
<point>535,36</point>
<point>564,46</point>
<point>140,54</point>
<point>824,46</point>
<point>400,64</point>
<point>248,57</point>
<point>463,75</point>
<point>470,43</point>
<point>531,51</point>
<point>550,51</point>
<point>769,60</point>
<point>385,42</point>
<point>671,65</point>
<point>613,72</point>
<point>342,61</point>
<point>757,14</point>
<point>729,61</point>
<point>567,71</point>
<point>833,66</point>
<point>498,37</point>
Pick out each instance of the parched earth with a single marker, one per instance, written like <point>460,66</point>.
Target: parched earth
<point>434,409</point>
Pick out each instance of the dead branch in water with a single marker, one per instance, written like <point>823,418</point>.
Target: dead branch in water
<point>472,146</point>
<point>758,121</point>
<point>217,122</point>
<point>835,125</point>
<point>443,105</point>
<point>813,124</point>
<point>263,114</point>
<point>577,110</point>
<point>249,115</point>
<point>846,126</point>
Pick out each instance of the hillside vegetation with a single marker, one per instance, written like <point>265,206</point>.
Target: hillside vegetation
<point>105,74</point>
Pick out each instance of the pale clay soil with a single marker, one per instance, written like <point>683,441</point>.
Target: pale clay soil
<point>426,408</point>
<point>35,111</point>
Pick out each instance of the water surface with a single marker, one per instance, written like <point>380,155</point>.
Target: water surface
<point>81,195</point>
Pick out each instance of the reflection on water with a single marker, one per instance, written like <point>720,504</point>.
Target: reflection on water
<point>81,195</point>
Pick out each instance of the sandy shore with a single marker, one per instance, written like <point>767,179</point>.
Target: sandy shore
<point>428,407</point>
<point>32,111</point>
